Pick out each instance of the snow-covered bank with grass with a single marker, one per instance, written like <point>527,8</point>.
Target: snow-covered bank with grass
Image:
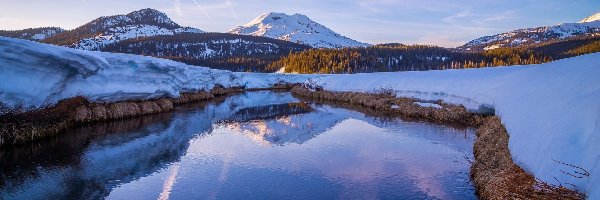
<point>35,74</point>
<point>551,111</point>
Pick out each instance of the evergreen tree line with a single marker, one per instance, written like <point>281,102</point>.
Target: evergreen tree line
<point>398,57</point>
<point>27,33</point>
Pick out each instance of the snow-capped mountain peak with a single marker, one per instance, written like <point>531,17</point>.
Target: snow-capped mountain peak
<point>295,28</point>
<point>591,18</point>
<point>266,18</point>
<point>151,16</point>
<point>112,29</point>
<point>146,16</point>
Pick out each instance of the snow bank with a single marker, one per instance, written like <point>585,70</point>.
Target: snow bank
<point>37,74</point>
<point>551,111</point>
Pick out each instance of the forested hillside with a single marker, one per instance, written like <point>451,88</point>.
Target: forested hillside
<point>398,57</point>
<point>216,50</point>
<point>34,34</point>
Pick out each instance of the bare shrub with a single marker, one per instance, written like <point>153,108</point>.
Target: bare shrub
<point>312,85</point>
<point>385,91</point>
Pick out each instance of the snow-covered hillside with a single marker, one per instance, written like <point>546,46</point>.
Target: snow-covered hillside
<point>587,26</point>
<point>551,111</point>
<point>113,29</point>
<point>34,34</point>
<point>117,34</point>
<point>217,50</point>
<point>295,28</point>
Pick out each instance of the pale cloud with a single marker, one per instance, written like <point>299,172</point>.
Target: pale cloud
<point>457,16</point>
<point>228,2</point>
<point>509,14</point>
<point>177,7</point>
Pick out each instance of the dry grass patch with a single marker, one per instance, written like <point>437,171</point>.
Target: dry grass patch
<point>496,176</point>
<point>388,104</point>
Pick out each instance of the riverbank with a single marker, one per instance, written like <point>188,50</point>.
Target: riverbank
<point>493,172</point>
<point>20,128</point>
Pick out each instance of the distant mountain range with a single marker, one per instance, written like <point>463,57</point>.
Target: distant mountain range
<point>272,40</point>
<point>148,22</point>
<point>587,27</point>
<point>295,28</point>
<point>34,34</point>
<point>152,33</point>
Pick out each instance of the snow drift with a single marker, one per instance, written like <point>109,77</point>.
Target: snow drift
<point>35,74</point>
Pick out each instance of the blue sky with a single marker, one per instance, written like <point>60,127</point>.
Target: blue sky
<point>441,22</point>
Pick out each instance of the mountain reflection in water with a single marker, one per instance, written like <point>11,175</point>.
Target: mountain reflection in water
<point>255,145</point>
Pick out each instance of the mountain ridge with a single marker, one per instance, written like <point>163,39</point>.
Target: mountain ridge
<point>34,34</point>
<point>112,29</point>
<point>589,26</point>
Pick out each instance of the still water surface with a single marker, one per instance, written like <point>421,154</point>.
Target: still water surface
<point>257,145</point>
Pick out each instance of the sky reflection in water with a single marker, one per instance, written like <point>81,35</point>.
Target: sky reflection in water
<point>198,152</point>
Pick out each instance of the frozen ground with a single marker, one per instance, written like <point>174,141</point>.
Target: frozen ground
<point>551,111</point>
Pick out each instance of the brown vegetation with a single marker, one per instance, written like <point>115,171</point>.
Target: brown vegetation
<point>219,90</point>
<point>495,174</point>
<point>387,103</point>
<point>28,126</point>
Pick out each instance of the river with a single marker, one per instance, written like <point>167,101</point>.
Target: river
<point>256,145</point>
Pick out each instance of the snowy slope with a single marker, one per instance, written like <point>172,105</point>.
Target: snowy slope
<point>587,26</point>
<point>551,111</point>
<point>117,34</point>
<point>295,28</point>
<point>36,74</point>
